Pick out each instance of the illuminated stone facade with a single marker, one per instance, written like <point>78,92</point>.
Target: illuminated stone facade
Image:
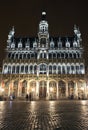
<point>47,67</point>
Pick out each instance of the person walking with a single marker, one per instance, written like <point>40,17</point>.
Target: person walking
<point>26,97</point>
<point>29,96</point>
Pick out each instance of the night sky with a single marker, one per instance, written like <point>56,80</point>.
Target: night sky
<point>25,16</point>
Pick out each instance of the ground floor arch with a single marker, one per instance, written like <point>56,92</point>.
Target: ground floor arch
<point>46,89</point>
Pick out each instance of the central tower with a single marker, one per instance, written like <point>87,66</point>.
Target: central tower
<point>43,34</point>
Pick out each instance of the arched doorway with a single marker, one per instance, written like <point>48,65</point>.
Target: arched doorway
<point>52,90</point>
<point>42,89</point>
<point>62,89</point>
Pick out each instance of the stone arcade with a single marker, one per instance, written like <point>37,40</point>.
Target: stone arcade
<point>47,67</point>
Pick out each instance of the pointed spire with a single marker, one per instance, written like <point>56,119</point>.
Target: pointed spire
<point>75,29</point>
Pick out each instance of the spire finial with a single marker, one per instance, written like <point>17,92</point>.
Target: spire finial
<point>43,15</point>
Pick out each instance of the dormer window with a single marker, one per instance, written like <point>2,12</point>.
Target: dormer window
<point>74,44</point>
<point>12,45</point>
<point>59,43</point>
<point>20,44</point>
<point>51,44</point>
<point>27,44</point>
<point>35,44</point>
<point>67,44</point>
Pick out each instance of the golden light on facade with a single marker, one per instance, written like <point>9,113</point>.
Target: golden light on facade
<point>33,89</point>
<point>1,89</point>
<point>82,88</point>
<point>51,89</point>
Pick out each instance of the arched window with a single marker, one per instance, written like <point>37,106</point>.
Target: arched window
<point>58,55</point>
<point>42,67</point>
<point>77,69</point>
<point>9,69</point>
<point>17,69</point>
<point>50,56</point>
<point>44,55</point>
<point>12,55</point>
<point>20,56</point>
<point>16,56</point>
<point>24,56</point>
<point>26,69</point>
<point>54,55</point>
<point>28,56</point>
<point>70,55</point>
<point>35,69</point>
<point>22,69</point>
<point>9,55</point>
<point>35,55</point>
<point>74,55</point>
<point>31,69</point>
<point>5,69</point>
<point>59,69</point>
<point>54,69</point>
<point>50,69</point>
<point>68,69</point>
<point>62,55</point>
<point>32,55</point>
<point>81,69</point>
<point>63,69</point>
<point>13,69</point>
<point>72,69</point>
<point>66,55</point>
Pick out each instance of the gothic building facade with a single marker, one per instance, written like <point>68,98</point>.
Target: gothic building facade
<point>47,67</point>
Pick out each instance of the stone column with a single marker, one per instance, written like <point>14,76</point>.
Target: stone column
<point>57,91</point>
<point>10,88</point>
<point>47,91</point>
<point>37,90</point>
<point>27,87</point>
<point>66,89</point>
<point>85,90</point>
<point>37,70</point>
<point>19,88</point>
<point>76,90</point>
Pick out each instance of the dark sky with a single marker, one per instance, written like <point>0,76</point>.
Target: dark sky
<point>25,16</point>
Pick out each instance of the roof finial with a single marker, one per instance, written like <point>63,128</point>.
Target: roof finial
<point>43,15</point>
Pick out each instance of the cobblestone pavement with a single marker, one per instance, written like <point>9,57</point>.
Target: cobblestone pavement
<point>44,115</point>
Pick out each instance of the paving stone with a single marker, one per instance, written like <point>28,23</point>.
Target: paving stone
<point>44,115</point>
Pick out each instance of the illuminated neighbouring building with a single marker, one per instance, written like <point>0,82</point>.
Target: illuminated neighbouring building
<point>47,67</point>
